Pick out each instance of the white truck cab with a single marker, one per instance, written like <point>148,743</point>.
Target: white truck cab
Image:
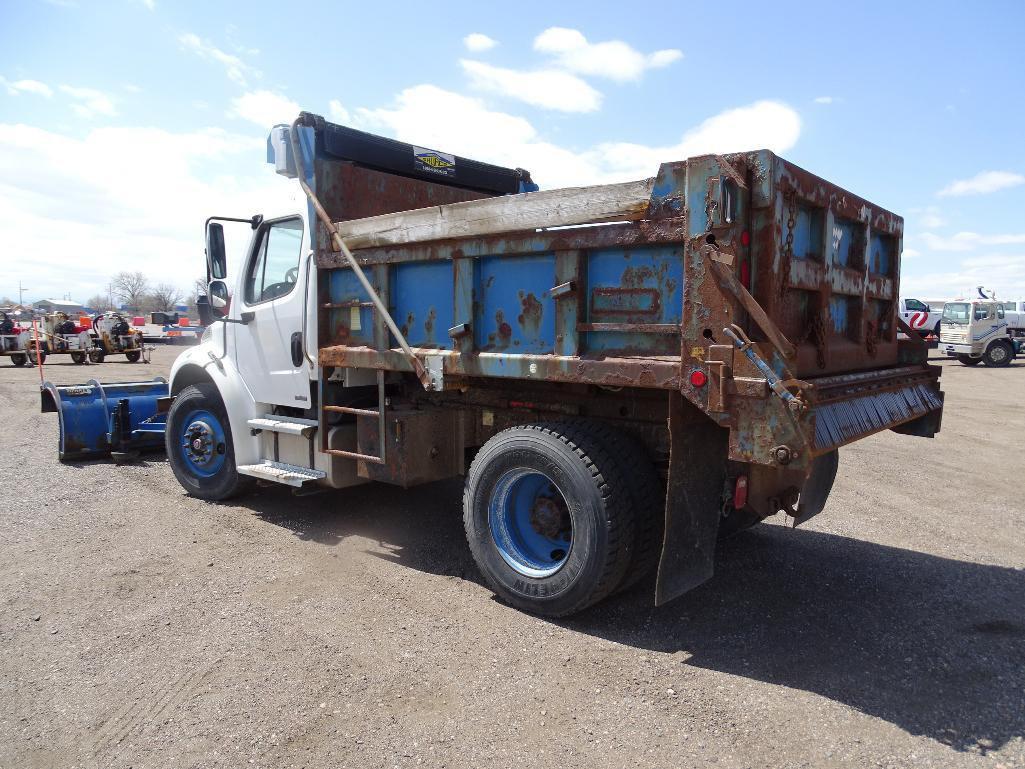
<point>976,331</point>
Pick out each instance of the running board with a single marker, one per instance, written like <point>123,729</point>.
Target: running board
<point>280,472</point>
<point>289,426</point>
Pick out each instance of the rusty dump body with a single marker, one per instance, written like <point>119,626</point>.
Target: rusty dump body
<point>644,322</point>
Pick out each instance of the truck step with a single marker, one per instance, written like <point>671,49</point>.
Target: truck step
<point>280,472</point>
<point>289,426</point>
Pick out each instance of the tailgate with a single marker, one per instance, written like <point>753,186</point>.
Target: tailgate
<point>808,274</point>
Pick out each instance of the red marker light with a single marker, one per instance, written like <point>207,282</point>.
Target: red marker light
<point>698,378</point>
<point>745,238</point>
<point>740,493</point>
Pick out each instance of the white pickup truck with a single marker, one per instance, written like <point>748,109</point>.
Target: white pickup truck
<point>920,316</point>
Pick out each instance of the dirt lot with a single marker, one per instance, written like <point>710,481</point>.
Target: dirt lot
<point>142,628</point>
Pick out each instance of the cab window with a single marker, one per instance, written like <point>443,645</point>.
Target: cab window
<point>913,305</point>
<point>981,312</point>
<point>274,268</point>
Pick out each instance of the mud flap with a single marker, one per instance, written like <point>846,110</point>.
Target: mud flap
<point>697,472</point>
<point>817,487</point>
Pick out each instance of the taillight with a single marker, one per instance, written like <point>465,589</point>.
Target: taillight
<point>698,378</point>
<point>740,492</point>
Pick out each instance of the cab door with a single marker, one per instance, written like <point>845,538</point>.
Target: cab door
<point>269,344</point>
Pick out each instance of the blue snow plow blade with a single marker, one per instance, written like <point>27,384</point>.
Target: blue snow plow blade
<point>97,420</point>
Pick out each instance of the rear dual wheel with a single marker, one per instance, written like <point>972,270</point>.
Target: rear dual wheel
<point>553,519</point>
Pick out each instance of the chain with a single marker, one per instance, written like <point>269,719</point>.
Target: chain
<point>871,336</point>
<point>788,243</point>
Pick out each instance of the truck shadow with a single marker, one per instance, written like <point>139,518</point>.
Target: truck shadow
<point>932,645</point>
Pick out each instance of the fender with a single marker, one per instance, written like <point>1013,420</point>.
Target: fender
<point>204,363</point>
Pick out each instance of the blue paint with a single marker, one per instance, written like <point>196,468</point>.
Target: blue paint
<point>201,443</point>
<point>344,287</point>
<point>522,502</point>
<point>808,224</point>
<point>641,285</point>
<point>838,313</point>
<point>421,302</point>
<point>515,312</point>
<point>882,253</point>
<point>845,242</point>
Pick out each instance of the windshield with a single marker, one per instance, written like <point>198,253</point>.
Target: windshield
<point>956,312</point>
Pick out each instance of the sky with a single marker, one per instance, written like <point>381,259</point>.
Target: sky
<point>124,124</point>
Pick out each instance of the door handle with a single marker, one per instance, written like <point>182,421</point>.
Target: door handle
<point>297,349</point>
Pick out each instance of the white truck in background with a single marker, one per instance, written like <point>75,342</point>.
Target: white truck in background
<point>920,316</point>
<point>980,331</point>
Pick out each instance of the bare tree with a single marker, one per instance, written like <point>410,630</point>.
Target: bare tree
<point>130,287</point>
<point>100,303</point>
<point>200,287</point>
<point>164,297</point>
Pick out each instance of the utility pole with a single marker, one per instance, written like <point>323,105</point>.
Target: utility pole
<point>21,293</point>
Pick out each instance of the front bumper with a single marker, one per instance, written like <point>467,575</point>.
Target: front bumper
<point>952,349</point>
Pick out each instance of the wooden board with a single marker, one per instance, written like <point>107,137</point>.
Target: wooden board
<point>510,213</point>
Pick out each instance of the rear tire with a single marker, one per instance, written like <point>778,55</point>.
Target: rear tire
<point>648,499</point>
<point>199,446</point>
<point>19,359</point>
<point>967,360</point>
<point>97,355</point>
<point>35,358</point>
<point>548,517</point>
<point>78,357</point>
<point>133,356</point>
<point>998,355</point>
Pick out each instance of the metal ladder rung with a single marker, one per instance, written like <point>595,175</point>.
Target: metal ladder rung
<point>378,413</point>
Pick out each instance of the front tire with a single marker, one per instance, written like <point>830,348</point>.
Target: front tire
<point>19,359</point>
<point>998,355</point>
<point>967,360</point>
<point>133,356</point>
<point>96,355</point>
<point>36,358</point>
<point>199,446</point>
<point>78,357</point>
<point>548,517</point>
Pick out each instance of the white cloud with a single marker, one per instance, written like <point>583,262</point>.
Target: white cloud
<point>982,183</point>
<point>547,88</point>
<point>910,253</point>
<point>151,4</point>
<point>82,209</point>
<point>612,59</point>
<point>1003,272</point>
<point>236,69</point>
<point>447,121</point>
<point>88,102</point>
<point>968,241</point>
<point>479,42</point>
<point>928,216</point>
<point>824,100</point>
<point>338,113</point>
<point>762,125</point>
<point>265,108</point>
<point>26,86</point>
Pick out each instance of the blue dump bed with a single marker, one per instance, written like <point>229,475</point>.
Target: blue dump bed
<point>655,284</point>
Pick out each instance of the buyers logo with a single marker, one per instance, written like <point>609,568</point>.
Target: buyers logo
<point>435,162</point>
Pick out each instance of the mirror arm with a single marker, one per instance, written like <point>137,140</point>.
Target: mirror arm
<point>243,320</point>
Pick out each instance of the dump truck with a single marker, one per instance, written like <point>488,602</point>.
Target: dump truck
<point>623,373</point>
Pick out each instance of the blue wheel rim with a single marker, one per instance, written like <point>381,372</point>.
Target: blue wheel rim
<point>201,443</point>
<point>530,522</point>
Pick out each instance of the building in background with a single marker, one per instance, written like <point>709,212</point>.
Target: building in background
<point>58,305</point>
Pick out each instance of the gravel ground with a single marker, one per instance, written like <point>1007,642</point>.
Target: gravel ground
<point>142,628</point>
